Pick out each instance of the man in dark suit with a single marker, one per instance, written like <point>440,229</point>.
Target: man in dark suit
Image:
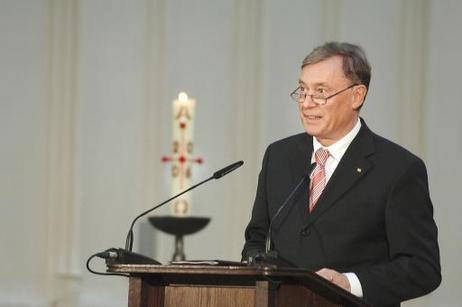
<point>365,219</point>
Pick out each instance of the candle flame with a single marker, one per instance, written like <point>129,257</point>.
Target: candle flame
<point>183,97</point>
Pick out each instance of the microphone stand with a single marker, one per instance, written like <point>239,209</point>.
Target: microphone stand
<point>271,257</point>
<point>126,256</point>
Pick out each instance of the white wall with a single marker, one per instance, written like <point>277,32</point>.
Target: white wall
<point>443,142</point>
<point>23,152</point>
<point>86,90</point>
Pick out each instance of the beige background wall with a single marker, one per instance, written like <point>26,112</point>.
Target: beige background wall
<point>85,102</point>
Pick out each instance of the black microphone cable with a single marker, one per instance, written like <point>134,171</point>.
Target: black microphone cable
<point>107,254</point>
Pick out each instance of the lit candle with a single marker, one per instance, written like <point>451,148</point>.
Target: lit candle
<point>183,128</point>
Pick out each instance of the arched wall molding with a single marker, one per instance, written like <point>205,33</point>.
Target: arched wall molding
<point>248,57</point>
<point>414,46</point>
<point>154,122</point>
<point>63,211</point>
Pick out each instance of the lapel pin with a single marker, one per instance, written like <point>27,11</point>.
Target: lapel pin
<point>359,170</point>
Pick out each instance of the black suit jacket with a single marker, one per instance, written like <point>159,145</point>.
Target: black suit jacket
<point>374,217</point>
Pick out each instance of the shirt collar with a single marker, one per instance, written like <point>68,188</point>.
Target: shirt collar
<point>337,149</point>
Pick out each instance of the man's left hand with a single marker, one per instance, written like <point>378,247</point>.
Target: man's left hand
<point>335,277</point>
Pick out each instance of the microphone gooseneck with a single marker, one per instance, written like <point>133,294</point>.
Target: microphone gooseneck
<point>129,240</point>
<point>218,174</point>
<point>284,204</point>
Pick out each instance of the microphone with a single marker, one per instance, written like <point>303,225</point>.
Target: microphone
<point>268,252</point>
<point>126,256</point>
<point>228,169</point>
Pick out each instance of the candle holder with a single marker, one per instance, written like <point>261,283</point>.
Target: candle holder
<point>179,227</point>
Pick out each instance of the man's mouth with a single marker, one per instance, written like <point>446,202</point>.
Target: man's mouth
<point>312,117</point>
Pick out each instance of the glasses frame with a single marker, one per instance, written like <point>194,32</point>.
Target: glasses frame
<point>312,97</point>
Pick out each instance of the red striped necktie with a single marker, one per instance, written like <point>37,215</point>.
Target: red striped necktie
<point>318,177</point>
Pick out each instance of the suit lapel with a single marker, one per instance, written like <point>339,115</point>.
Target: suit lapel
<point>300,165</point>
<point>301,161</point>
<point>352,167</point>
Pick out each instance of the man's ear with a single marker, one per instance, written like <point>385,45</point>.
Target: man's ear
<point>359,94</point>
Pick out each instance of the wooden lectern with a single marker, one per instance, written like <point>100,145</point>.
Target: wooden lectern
<point>229,286</point>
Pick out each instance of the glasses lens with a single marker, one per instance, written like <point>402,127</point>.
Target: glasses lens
<point>300,96</point>
<point>296,95</point>
<point>318,100</point>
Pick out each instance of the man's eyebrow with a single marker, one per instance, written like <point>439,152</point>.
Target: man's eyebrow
<point>315,85</point>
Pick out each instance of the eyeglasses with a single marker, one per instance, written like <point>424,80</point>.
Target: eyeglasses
<point>299,95</point>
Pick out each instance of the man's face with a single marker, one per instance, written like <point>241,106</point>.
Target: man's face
<point>329,122</point>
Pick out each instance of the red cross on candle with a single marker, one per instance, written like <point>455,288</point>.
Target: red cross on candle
<point>181,158</point>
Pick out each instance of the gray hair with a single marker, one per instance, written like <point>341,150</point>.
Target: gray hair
<point>355,65</point>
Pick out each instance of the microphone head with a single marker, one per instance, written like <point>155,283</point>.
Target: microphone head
<point>228,169</point>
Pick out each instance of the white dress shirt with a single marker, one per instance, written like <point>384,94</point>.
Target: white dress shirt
<point>337,150</point>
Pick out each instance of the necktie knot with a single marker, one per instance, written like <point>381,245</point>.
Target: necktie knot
<point>321,155</point>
